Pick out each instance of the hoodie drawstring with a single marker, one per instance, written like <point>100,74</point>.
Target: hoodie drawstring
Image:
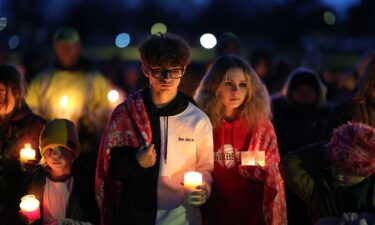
<point>165,138</point>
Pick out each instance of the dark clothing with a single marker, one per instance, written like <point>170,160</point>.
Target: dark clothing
<point>307,173</point>
<point>82,205</point>
<point>140,207</point>
<point>350,111</point>
<point>20,127</point>
<point>297,125</point>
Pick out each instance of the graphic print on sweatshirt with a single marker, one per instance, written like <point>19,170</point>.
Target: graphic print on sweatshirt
<point>226,156</point>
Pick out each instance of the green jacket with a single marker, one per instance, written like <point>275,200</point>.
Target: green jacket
<point>307,173</point>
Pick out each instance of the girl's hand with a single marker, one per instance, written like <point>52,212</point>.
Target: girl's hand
<point>255,173</point>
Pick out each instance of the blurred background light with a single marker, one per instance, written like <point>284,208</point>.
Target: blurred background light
<point>159,28</point>
<point>122,40</point>
<point>208,41</point>
<point>3,23</point>
<point>113,96</point>
<point>329,18</point>
<point>13,42</point>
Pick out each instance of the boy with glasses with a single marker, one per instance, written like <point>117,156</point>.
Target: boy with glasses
<point>151,140</point>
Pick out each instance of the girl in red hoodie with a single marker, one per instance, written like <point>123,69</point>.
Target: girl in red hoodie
<point>238,105</point>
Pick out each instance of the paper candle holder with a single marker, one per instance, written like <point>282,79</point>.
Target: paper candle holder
<point>253,158</point>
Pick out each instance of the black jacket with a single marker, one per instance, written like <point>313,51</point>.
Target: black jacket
<point>350,111</point>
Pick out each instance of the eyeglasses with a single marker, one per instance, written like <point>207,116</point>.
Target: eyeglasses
<point>174,73</point>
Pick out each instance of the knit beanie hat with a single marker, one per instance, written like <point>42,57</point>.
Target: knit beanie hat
<point>352,147</point>
<point>59,132</point>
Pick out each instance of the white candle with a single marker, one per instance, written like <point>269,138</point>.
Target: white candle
<point>27,153</point>
<point>30,207</point>
<point>192,180</point>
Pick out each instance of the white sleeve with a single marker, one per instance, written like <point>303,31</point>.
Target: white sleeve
<point>205,151</point>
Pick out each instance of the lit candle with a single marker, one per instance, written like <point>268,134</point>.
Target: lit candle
<point>27,153</point>
<point>113,96</point>
<point>247,158</point>
<point>253,158</point>
<point>30,207</point>
<point>260,158</point>
<point>192,180</point>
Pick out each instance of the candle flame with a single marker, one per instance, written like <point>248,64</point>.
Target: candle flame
<point>64,101</point>
<point>113,96</point>
<point>27,153</point>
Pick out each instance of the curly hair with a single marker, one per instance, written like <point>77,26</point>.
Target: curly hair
<point>165,50</point>
<point>256,106</point>
<point>352,148</point>
<point>13,79</point>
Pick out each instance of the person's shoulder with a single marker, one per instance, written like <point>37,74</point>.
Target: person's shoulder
<point>279,101</point>
<point>81,170</point>
<point>197,111</point>
<point>42,76</point>
<point>347,103</point>
<point>37,120</point>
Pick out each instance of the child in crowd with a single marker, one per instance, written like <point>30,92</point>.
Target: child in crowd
<point>63,186</point>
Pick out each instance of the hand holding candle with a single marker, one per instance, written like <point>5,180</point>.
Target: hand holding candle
<point>30,208</point>
<point>252,165</point>
<point>197,191</point>
<point>192,180</point>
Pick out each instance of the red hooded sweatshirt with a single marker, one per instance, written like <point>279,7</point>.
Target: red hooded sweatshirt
<point>236,200</point>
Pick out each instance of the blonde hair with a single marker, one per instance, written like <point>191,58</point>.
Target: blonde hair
<point>256,106</point>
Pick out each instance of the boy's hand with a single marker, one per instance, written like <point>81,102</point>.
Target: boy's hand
<point>146,156</point>
<point>199,196</point>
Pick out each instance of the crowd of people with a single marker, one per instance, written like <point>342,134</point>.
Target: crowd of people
<point>311,161</point>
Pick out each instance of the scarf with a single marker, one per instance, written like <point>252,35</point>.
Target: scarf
<point>129,125</point>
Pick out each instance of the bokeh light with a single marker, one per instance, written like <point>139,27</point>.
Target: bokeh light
<point>13,42</point>
<point>208,41</point>
<point>64,101</point>
<point>3,23</point>
<point>113,96</point>
<point>329,18</point>
<point>122,40</point>
<point>159,28</point>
